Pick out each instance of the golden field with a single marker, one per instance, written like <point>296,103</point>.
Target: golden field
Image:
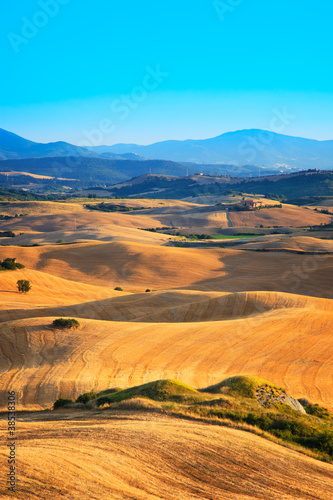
<point>148,456</point>
<point>261,308</point>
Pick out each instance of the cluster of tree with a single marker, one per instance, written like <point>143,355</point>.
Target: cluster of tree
<point>310,200</point>
<point>7,234</point>
<point>10,264</point>
<point>6,217</point>
<point>111,207</point>
<point>278,197</point>
<point>157,229</point>
<point>18,195</point>
<point>245,208</point>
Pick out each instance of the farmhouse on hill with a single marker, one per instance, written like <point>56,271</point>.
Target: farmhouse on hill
<point>252,204</point>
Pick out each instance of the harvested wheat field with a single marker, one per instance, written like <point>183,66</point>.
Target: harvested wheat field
<point>47,290</point>
<point>289,344</point>
<point>112,232</point>
<point>136,266</point>
<point>198,315</point>
<point>287,216</point>
<point>71,221</point>
<point>149,456</point>
<point>292,243</point>
<point>30,208</point>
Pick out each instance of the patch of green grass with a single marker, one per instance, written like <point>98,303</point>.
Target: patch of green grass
<point>291,427</point>
<point>238,408</point>
<point>112,390</point>
<point>242,385</point>
<point>161,390</point>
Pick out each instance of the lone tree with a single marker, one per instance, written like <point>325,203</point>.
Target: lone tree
<point>66,323</point>
<point>23,286</point>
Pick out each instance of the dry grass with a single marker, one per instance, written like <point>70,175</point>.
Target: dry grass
<point>287,216</point>
<point>34,208</point>
<point>293,243</point>
<point>153,456</point>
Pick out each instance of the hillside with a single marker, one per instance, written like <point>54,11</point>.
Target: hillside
<point>158,457</point>
<point>140,265</point>
<point>197,337</point>
<point>288,186</point>
<point>89,171</point>
<point>102,354</point>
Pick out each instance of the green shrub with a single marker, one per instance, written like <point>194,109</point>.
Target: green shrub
<point>148,290</point>
<point>60,403</point>
<point>317,411</point>
<point>66,323</point>
<point>321,441</point>
<point>87,396</point>
<point>119,289</point>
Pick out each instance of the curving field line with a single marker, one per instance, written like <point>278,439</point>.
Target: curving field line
<point>138,266</point>
<point>123,456</point>
<point>291,347</point>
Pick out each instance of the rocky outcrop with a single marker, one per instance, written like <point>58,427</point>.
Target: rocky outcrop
<point>268,396</point>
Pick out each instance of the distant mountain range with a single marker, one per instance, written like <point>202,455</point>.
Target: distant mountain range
<point>13,146</point>
<point>255,147</point>
<point>242,148</point>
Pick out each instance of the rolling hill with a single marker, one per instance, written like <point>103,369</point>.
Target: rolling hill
<point>285,339</point>
<point>91,171</point>
<point>131,455</point>
<point>307,185</point>
<point>199,315</point>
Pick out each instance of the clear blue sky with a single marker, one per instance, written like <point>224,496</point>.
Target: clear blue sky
<point>90,61</point>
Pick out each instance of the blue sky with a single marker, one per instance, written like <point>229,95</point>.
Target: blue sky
<point>107,71</point>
